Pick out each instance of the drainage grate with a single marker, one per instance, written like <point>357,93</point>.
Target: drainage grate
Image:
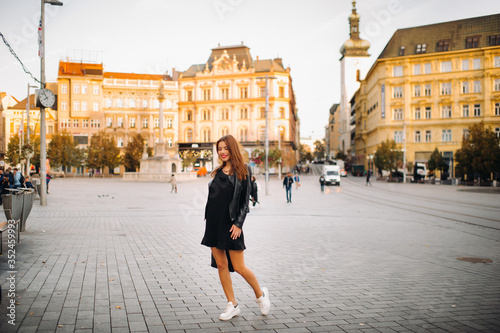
<point>475,260</point>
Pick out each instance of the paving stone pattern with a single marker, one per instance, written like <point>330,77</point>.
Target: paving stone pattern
<point>111,256</point>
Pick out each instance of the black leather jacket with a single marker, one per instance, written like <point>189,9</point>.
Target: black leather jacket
<point>238,208</point>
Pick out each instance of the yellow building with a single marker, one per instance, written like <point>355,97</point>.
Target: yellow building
<point>226,95</point>
<point>429,84</point>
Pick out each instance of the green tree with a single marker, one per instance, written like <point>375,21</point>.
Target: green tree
<point>13,156</point>
<point>319,149</point>
<point>103,152</point>
<point>305,153</point>
<point>388,157</point>
<point>63,151</point>
<point>133,153</point>
<point>341,156</point>
<point>479,154</point>
<point>437,162</point>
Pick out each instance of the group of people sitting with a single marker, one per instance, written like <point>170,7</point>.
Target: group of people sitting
<point>13,179</point>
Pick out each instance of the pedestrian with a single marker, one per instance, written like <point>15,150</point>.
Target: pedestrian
<point>48,178</point>
<point>297,181</point>
<point>28,183</point>
<point>322,183</point>
<point>254,191</point>
<point>173,181</point>
<point>287,184</point>
<point>225,213</point>
<point>17,179</point>
<point>368,175</point>
<point>11,177</point>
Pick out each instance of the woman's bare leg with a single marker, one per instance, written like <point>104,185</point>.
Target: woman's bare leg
<point>224,275</point>
<point>238,261</point>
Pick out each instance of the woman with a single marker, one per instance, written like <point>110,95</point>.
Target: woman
<point>225,212</point>
<point>254,189</point>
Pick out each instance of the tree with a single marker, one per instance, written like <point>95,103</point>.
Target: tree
<point>103,152</point>
<point>188,158</point>
<point>319,149</point>
<point>13,155</point>
<point>479,154</point>
<point>133,153</point>
<point>341,156</point>
<point>388,157</point>
<point>63,151</point>
<point>437,162</point>
<point>305,153</point>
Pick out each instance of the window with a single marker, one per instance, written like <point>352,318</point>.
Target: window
<point>281,131</point>
<point>169,122</point>
<point>446,88</point>
<point>442,45</point>
<point>84,105</point>
<point>85,123</point>
<point>398,114</point>
<point>465,87</point>
<point>65,123</point>
<point>119,103</point>
<point>427,68</point>
<point>224,114</point>
<point>465,110</point>
<point>64,106</point>
<point>95,89</point>
<point>402,51</point>
<point>465,64</point>
<point>262,91</point>
<point>95,123</point>
<point>224,93</point>
<point>417,136</point>
<point>282,92</point>
<point>95,106</point>
<point>476,63</point>
<point>243,92</point>
<point>421,48</point>
<point>156,122</point>
<point>119,122</point>
<point>76,123</point>
<point>120,142</point>
<point>76,105</point>
<point>398,136</point>
<point>157,104</point>
<point>84,89</point>
<point>144,104</point>
<point>224,131</point>
<point>76,89</point>
<point>417,69</point>
<point>263,113</point>
<point>206,94</point>
<point>445,66</point>
<point>446,135</point>
<point>189,135</point>
<point>282,113</point>
<point>428,90</point>
<point>428,136</point>
<point>477,110</point>
<point>477,86</point>
<point>189,115</point>
<point>417,113</point>
<point>109,122</point>
<point>428,112</point>
<point>497,132</point>
<point>398,92</point>
<point>132,122</point>
<point>109,103</point>
<point>64,88</point>
<point>131,103</point>
<point>397,71</point>
<point>494,40</point>
<point>416,91</point>
<point>497,109</point>
<point>189,95</point>
<point>206,114</point>
<point>206,135</point>
<point>243,113</point>
<point>496,61</point>
<point>243,134</point>
<point>465,133</point>
<point>170,142</point>
<point>145,122</point>
<point>496,86</point>
<point>262,134</point>
<point>446,111</point>
<point>471,42</point>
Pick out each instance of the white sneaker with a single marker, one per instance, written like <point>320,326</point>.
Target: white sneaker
<point>264,302</point>
<point>230,311</point>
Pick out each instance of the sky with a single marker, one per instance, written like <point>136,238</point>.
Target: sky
<point>154,36</point>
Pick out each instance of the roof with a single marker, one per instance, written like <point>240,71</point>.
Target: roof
<point>136,76</point>
<point>22,104</point>
<point>456,32</point>
<point>79,68</point>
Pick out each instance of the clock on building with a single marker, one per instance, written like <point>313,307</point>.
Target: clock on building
<point>46,98</point>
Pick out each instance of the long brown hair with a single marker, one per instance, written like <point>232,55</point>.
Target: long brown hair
<point>237,164</point>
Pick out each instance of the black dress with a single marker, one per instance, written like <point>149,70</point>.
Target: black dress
<point>218,222</point>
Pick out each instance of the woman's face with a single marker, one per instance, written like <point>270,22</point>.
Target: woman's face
<point>223,152</point>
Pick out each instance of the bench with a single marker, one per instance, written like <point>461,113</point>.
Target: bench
<point>4,226</point>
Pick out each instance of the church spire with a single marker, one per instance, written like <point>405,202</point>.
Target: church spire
<point>354,23</point>
<point>354,46</point>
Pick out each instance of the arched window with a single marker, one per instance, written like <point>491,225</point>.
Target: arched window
<point>206,114</point>
<point>281,133</point>
<point>170,141</point>
<point>224,114</point>
<point>119,103</point>
<point>189,135</point>
<point>262,134</point>
<point>132,103</point>
<point>282,113</point>
<point>224,131</point>
<point>243,113</point>
<point>189,115</point>
<point>144,104</point>
<point>243,134</point>
<point>206,135</point>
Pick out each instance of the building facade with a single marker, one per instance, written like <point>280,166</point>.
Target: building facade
<point>226,95</point>
<point>428,86</point>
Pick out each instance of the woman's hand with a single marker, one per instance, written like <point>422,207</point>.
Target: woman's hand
<point>235,232</point>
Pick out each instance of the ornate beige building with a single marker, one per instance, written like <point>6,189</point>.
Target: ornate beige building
<point>226,95</point>
<point>428,86</point>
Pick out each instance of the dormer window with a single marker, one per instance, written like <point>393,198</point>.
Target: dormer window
<point>443,45</point>
<point>402,51</point>
<point>471,42</point>
<point>421,48</point>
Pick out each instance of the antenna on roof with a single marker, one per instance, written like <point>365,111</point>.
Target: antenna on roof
<point>219,45</point>
<point>241,42</point>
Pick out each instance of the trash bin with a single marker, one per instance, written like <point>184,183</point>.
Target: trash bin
<point>28,198</point>
<point>18,207</point>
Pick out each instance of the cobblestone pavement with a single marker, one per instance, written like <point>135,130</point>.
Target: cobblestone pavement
<point>110,256</point>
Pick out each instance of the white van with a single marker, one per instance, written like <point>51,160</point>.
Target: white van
<point>332,174</point>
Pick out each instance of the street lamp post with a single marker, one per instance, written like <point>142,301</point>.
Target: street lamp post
<point>404,152</point>
<point>28,160</point>
<point>267,129</point>
<point>43,144</point>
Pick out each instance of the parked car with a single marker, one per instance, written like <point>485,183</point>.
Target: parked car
<point>358,170</point>
<point>343,173</point>
<point>331,174</point>
<point>396,176</point>
<point>57,173</point>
